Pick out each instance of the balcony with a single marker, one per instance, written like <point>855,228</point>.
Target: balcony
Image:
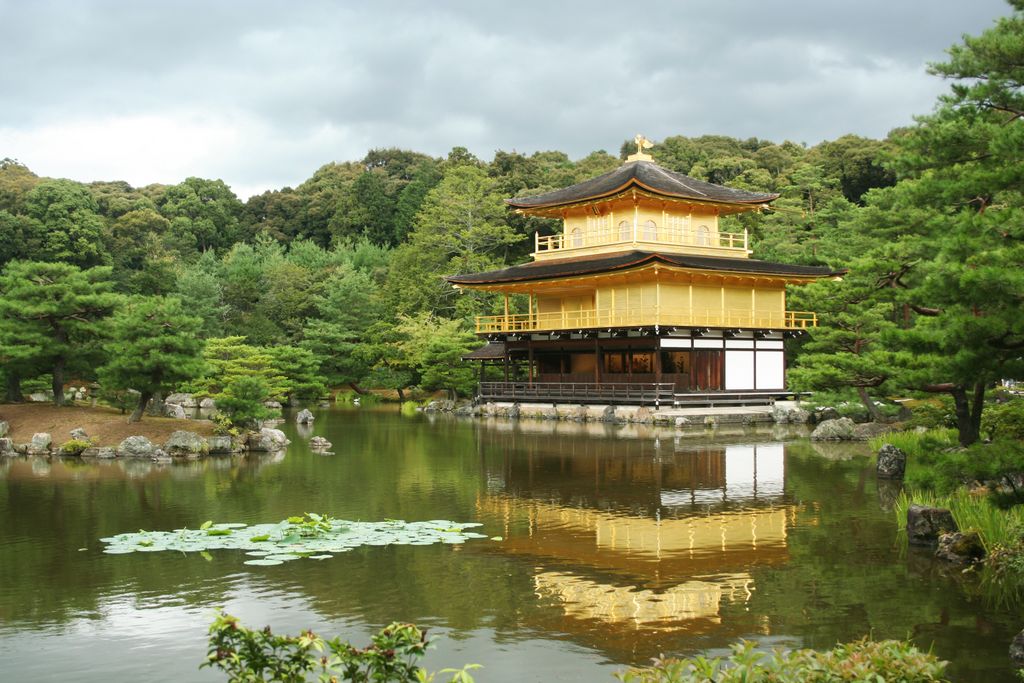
<point>647,237</point>
<point>645,317</point>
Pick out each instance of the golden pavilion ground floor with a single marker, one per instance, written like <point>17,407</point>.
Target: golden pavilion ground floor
<point>634,366</point>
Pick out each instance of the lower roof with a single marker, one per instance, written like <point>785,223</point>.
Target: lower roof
<point>547,270</point>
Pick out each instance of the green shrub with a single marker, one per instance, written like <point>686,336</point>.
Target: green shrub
<point>75,446</point>
<point>937,413</point>
<point>259,655</point>
<point>1004,420</point>
<point>862,660</point>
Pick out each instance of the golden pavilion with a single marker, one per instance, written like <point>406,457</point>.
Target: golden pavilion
<point>642,298</point>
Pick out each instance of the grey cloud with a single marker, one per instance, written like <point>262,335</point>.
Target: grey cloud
<point>575,76</point>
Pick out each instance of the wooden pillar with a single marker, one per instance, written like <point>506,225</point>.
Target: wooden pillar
<point>529,361</point>
<point>561,364</point>
<point>506,362</point>
<point>597,361</point>
<point>657,360</point>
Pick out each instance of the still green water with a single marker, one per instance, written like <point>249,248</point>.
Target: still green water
<point>619,543</point>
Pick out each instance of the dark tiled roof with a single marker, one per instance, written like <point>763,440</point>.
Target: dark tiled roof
<point>646,175</point>
<point>489,351</point>
<point>546,270</point>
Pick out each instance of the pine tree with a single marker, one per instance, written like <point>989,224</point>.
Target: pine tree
<point>53,312</point>
<point>154,344</point>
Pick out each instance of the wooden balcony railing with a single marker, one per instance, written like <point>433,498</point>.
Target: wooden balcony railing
<point>645,317</point>
<point>582,238</point>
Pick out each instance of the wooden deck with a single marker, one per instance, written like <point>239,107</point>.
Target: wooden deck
<point>660,394</point>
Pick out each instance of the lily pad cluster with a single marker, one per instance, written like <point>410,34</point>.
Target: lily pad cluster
<point>317,537</point>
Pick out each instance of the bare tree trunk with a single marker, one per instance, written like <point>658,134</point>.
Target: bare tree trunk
<point>873,411</point>
<point>968,417</point>
<point>58,382</point>
<point>356,388</point>
<point>140,409</point>
<point>13,387</point>
<point>401,395</point>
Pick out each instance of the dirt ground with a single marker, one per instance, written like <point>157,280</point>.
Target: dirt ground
<point>105,426</point>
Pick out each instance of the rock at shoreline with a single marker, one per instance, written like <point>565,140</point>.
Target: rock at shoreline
<point>892,462</point>
<point>220,444</point>
<point>7,446</point>
<point>273,405</point>
<point>100,452</point>
<point>825,414</point>
<point>182,444</point>
<point>136,447</point>
<point>834,430</point>
<point>266,439</point>
<point>305,417</point>
<point>784,415</point>
<point>208,404</point>
<point>4,428</point>
<point>183,400</point>
<point>175,410</point>
<point>319,443</point>
<point>40,444</point>
<point>960,548</point>
<point>870,430</point>
<point>79,434</point>
<point>1017,650</point>
<point>925,524</point>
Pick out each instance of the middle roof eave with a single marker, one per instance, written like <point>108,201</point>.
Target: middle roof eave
<point>549,270</point>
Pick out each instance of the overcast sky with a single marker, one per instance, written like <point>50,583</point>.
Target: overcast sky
<point>261,94</point>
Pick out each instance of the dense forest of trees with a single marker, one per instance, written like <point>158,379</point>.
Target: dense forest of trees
<point>346,269</point>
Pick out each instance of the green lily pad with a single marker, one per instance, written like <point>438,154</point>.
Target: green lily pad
<point>294,538</point>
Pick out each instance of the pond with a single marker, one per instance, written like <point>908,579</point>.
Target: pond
<point>616,544</point>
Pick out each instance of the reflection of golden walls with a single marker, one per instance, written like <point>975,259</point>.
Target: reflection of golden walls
<point>694,599</point>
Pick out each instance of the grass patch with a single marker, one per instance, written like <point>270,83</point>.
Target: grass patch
<point>916,444</point>
<point>971,511</point>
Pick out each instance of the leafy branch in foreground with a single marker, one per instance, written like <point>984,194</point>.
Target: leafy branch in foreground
<point>247,655</point>
<point>861,660</point>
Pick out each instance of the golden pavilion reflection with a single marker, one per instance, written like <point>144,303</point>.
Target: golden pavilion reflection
<point>637,539</point>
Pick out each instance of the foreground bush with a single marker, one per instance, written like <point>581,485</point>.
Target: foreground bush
<point>248,656</point>
<point>863,660</point>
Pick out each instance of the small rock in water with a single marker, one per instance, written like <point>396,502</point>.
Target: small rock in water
<point>925,524</point>
<point>305,417</point>
<point>892,462</point>
<point>834,430</point>
<point>319,443</point>
<point>183,444</point>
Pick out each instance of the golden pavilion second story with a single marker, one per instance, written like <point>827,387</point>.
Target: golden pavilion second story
<point>642,206</point>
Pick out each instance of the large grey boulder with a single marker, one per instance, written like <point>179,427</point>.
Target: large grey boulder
<point>960,548</point>
<point>783,414</point>
<point>892,462</point>
<point>925,524</point>
<point>220,444</point>
<point>834,430</point>
<point>183,444</point>
<point>7,446</point>
<point>208,404</point>
<point>136,447</point>
<point>41,442</point>
<point>175,410</point>
<point>181,399</point>
<point>273,405</point>
<point>825,414</point>
<point>305,417</point>
<point>267,439</point>
<point>4,428</point>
